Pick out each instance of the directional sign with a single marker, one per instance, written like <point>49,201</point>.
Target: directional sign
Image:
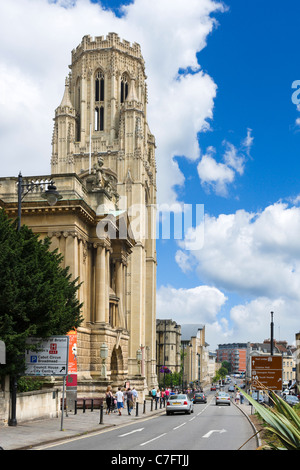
<point>266,372</point>
<point>51,358</point>
<point>2,353</point>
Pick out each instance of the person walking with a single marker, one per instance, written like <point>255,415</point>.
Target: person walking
<point>129,401</point>
<point>135,396</point>
<point>108,400</point>
<point>237,397</point>
<point>120,400</point>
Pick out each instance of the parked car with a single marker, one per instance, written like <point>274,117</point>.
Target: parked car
<point>222,398</point>
<point>213,387</point>
<point>180,402</point>
<point>291,400</point>
<point>199,397</point>
<point>258,397</point>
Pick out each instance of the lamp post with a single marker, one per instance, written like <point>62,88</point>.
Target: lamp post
<point>139,360</point>
<point>52,196</point>
<point>103,356</point>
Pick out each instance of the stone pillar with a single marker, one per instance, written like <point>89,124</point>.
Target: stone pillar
<point>100,288</point>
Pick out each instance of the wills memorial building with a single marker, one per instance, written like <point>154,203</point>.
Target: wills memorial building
<point>103,165</point>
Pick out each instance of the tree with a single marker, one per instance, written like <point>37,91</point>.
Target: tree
<point>37,296</point>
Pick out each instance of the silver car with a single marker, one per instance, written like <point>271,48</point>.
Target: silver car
<point>180,402</point>
<point>222,398</point>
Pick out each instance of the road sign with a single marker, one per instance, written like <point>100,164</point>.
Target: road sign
<point>2,353</point>
<point>51,359</point>
<point>266,372</point>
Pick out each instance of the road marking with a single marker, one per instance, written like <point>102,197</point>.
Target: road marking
<point>212,431</point>
<point>154,439</point>
<point>131,432</point>
<point>177,427</point>
<point>192,418</point>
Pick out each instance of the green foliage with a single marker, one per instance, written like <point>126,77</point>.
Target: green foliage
<point>28,384</point>
<point>281,420</point>
<point>37,296</point>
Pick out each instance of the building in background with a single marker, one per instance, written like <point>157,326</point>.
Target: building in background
<point>195,356</point>
<point>168,348</point>
<point>235,354</point>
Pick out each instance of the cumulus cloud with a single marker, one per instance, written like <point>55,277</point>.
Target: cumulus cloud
<point>257,257</point>
<point>217,176</point>
<point>199,304</point>
<point>39,36</point>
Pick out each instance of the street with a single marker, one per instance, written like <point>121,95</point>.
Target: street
<point>210,427</point>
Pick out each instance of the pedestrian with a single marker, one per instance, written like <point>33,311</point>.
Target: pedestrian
<point>135,396</point>
<point>242,398</point>
<point>237,397</point>
<point>153,393</point>
<point>120,400</point>
<point>129,401</point>
<point>109,400</point>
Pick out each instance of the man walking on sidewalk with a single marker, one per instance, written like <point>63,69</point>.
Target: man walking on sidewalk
<point>120,400</point>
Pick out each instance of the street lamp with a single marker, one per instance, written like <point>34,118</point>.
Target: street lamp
<point>51,194</point>
<point>139,360</point>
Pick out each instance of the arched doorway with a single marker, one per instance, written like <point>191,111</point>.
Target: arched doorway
<point>116,364</point>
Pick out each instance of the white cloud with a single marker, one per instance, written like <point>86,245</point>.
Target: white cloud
<point>217,175</point>
<point>39,36</point>
<point>195,305</point>
<point>257,257</point>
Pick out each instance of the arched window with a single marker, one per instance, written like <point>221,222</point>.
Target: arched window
<point>124,87</point>
<point>99,86</point>
<point>99,118</point>
<point>99,101</point>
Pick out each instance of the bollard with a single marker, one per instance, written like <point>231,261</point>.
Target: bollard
<point>144,407</point>
<point>75,408</point>
<point>136,409</point>
<point>151,409</point>
<point>83,406</point>
<point>92,405</point>
<point>156,404</point>
<point>101,413</point>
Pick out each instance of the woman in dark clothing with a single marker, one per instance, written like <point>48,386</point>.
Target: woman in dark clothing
<point>109,400</point>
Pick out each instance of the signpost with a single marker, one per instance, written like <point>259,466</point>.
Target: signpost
<point>50,359</point>
<point>266,372</point>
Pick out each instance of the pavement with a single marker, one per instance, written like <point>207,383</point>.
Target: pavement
<point>30,434</point>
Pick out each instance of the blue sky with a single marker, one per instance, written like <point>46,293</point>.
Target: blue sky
<point>228,136</point>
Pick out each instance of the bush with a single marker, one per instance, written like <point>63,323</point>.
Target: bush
<point>29,384</point>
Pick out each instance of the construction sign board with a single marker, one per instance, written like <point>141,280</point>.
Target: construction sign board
<point>51,358</point>
<point>266,372</point>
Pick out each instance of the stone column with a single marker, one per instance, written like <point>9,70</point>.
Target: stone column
<point>100,287</point>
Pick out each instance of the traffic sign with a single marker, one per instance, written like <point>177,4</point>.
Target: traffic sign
<point>266,372</point>
<point>51,358</point>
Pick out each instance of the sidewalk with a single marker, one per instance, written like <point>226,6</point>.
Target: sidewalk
<point>38,432</point>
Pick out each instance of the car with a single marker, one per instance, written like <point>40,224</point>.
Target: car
<point>179,403</point>
<point>231,388</point>
<point>292,400</point>
<point>223,398</point>
<point>258,397</point>
<point>213,387</point>
<point>199,397</point>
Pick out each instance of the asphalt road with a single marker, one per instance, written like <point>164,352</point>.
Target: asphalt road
<point>210,427</point>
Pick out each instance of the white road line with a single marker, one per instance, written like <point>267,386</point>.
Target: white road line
<point>131,432</point>
<point>154,439</point>
<point>177,427</point>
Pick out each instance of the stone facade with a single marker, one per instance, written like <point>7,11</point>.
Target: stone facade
<point>103,164</point>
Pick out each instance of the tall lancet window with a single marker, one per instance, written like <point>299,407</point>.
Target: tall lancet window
<point>124,87</point>
<point>99,101</point>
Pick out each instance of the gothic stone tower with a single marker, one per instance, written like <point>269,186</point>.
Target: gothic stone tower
<point>101,135</point>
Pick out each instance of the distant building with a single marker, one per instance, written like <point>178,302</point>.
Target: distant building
<point>196,355</point>
<point>235,354</point>
<point>168,347</point>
